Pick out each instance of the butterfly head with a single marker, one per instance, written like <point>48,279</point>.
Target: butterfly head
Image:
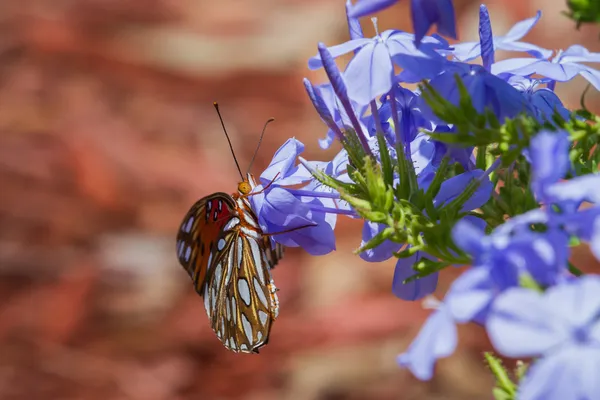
<point>246,186</point>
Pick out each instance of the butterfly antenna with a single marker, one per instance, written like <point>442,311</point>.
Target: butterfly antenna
<point>259,142</point>
<point>228,140</point>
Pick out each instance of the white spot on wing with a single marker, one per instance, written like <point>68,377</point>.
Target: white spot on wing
<point>218,273</point>
<point>258,336</point>
<point>256,255</point>
<point>188,226</point>
<point>208,265</point>
<point>250,233</point>
<point>228,309</point>
<point>207,301</point>
<point>232,344</point>
<point>261,294</point>
<point>262,316</point>
<point>247,328</point>
<point>243,346</point>
<point>234,310</point>
<point>220,205</point>
<point>239,251</point>
<point>244,290</point>
<point>180,248</point>
<point>209,205</point>
<point>229,268</point>
<point>188,251</point>
<point>233,222</point>
<point>221,244</point>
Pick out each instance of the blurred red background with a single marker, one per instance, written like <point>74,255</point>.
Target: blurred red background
<point>108,135</point>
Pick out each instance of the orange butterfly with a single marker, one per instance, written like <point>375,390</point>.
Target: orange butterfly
<point>224,250</point>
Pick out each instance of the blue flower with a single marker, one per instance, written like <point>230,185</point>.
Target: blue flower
<point>330,199</point>
<point>410,115</point>
<point>499,261</point>
<point>456,185</point>
<point>354,29</point>
<point>328,113</point>
<point>366,7</point>
<point>457,153</point>
<point>338,85</point>
<point>562,328</point>
<point>292,220</point>
<point>424,13</point>
<point>544,100</point>
<point>417,288</point>
<point>449,190</point>
<point>437,339</point>
<point>562,68</point>
<point>485,89</point>
<point>331,111</point>
<point>371,72</point>
<point>549,155</point>
<point>488,44</point>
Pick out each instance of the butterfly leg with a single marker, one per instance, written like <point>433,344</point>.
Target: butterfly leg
<point>289,230</point>
<point>265,188</point>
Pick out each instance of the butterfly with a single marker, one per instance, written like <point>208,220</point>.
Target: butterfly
<point>228,257</point>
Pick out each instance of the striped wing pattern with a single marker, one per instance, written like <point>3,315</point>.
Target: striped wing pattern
<point>232,273</point>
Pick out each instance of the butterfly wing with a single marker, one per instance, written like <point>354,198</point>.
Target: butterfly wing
<point>274,254</point>
<point>199,233</point>
<point>240,295</point>
<point>222,247</point>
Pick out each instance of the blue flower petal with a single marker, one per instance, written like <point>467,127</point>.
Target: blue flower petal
<point>426,13</point>
<point>281,211</point>
<point>470,295</point>
<point>549,155</point>
<point>418,288</point>
<point>370,73</point>
<point>581,188</point>
<point>382,252</point>
<point>577,53</point>
<point>283,162</point>
<point>570,373</point>
<point>469,237</point>
<point>354,28</point>
<point>437,339</point>
<point>366,7</point>
<point>456,185</point>
<point>521,324</point>
<point>486,38</point>
<point>338,50</point>
<point>522,28</point>
<point>575,305</point>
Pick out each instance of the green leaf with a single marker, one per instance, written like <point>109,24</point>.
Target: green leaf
<point>376,240</point>
<point>584,11</point>
<point>386,161</point>
<point>504,385</point>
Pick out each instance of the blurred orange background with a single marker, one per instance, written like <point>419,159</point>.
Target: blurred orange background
<point>108,135</point>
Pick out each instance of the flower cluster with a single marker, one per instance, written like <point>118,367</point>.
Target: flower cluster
<point>482,165</point>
